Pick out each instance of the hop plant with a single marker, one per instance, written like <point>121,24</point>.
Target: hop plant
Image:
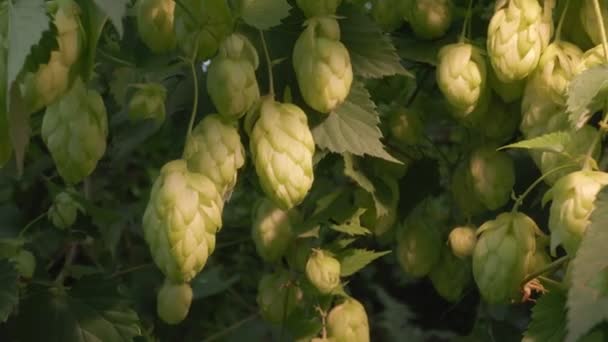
<point>322,65</point>
<point>202,25</point>
<point>271,231</point>
<point>406,127</point>
<point>67,22</point>
<point>282,148</point>
<point>515,39</point>
<point>323,271</point>
<point>278,296</point>
<point>463,193</point>
<point>502,256</point>
<point>589,20</point>
<point>492,176</point>
<point>318,8</point>
<point>47,84</point>
<point>173,301</point>
<point>557,66</point>
<point>64,210</point>
<point>75,129</point>
<point>429,19</point>
<point>181,219</point>
<point>462,241</point>
<point>591,58</point>
<point>155,24</point>
<point>231,81</point>
<point>388,13</point>
<point>347,322</point>
<point>148,102</point>
<point>461,76</point>
<point>450,276</point>
<point>214,150</point>
<point>25,263</point>
<point>573,199</point>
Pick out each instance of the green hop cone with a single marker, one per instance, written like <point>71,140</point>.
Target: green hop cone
<point>271,231</point>
<point>298,252</point>
<point>591,58</point>
<point>212,22</point>
<point>214,149</point>
<point>323,271</point>
<point>173,301</point>
<point>181,219</point>
<point>155,24</point>
<point>463,193</point>
<point>573,199</point>
<point>75,130</point>
<point>406,127</point>
<point>589,21</point>
<point>67,22</point>
<point>231,80</point>
<point>429,19</point>
<point>148,102</point>
<point>282,148</point>
<point>451,276</point>
<point>461,76</point>
<point>540,115</point>
<point>64,210</point>
<point>492,176</point>
<point>347,322</point>
<point>322,65</point>
<point>499,124</point>
<point>47,84</point>
<point>278,296</point>
<point>515,39</point>
<point>502,255</point>
<point>388,13</point>
<point>462,241</point>
<point>25,263</point>
<point>557,66</point>
<point>318,8</point>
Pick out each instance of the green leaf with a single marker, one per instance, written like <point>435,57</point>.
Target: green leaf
<point>19,127</point>
<point>586,94</point>
<point>548,318</point>
<point>351,169</point>
<point>353,260</point>
<point>372,53</point>
<point>264,14</point>
<point>91,311</point>
<point>9,293</point>
<point>350,229</point>
<point>211,282</point>
<point>353,127</point>
<point>551,142</point>
<point>115,10</point>
<point>588,306</point>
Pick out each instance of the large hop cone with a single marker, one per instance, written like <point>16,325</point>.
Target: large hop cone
<point>271,231</point>
<point>589,20</point>
<point>316,8</point>
<point>282,148</point>
<point>347,322</point>
<point>214,149</point>
<point>461,76</point>
<point>75,129</point>
<point>429,19</point>
<point>155,24</point>
<point>202,25</point>
<point>515,39</point>
<point>573,201</point>
<point>557,66</point>
<point>502,256</point>
<point>322,65</point>
<point>231,80</point>
<point>180,222</point>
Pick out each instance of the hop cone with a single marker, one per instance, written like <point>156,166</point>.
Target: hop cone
<point>47,84</point>
<point>173,301</point>
<point>75,129</point>
<point>271,231</point>
<point>323,271</point>
<point>322,65</point>
<point>573,199</point>
<point>462,241</point>
<point>589,20</point>
<point>429,19</point>
<point>148,102</point>
<point>282,148</point>
<point>180,222</point>
<point>502,255</point>
<point>388,13</point>
<point>205,32</point>
<point>155,24</point>
<point>540,114</point>
<point>406,127</point>
<point>231,80</point>
<point>214,150</point>
<point>492,176</point>
<point>347,322</point>
<point>557,66</point>
<point>64,210</point>
<point>461,76</point>
<point>515,39</point>
<point>451,276</point>
<point>278,296</point>
<point>67,22</point>
<point>318,8</point>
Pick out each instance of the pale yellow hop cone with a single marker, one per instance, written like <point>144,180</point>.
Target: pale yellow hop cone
<point>155,24</point>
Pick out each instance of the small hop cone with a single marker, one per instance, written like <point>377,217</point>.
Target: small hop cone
<point>271,231</point>
<point>64,210</point>
<point>429,19</point>
<point>318,8</point>
<point>451,276</point>
<point>573,199</point>
<point>515,39</point>
<point>75,130</point>
<point>155,24</point>
<point>462,241</point>
<point>589,20</point>
<point>406,127</point>
<point>322,65</point>
<point>278,296</point>
<point>388,13</point>
<point>323,271</point>
<point>148,102</point>
<point>557,66</point>
<point>492,176</point>
<point>214,149</point>
<point>181,219</point>
<point>282,148</point>
<point>347,322</point>
<point>231,80</point>
<point>502,256</point>
<point>173,301</point>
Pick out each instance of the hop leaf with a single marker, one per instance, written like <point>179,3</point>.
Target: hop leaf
<point>318,8</point>
<point>429,19</point>
<point>271,231</point>
<point>347,321</point>
<point>173,301</point>
<point>155,24</point>
<point>148,102</point>
<point>323,271</point>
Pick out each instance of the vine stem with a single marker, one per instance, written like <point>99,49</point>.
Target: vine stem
<point>465,24</point>
<point>130,269</point>
<point>31,223</point>
<point>600,20</point>
<point>552,266</point>
<point>195,99</point>
<point>230,328</point>
<point>520,199</point>
<point>558,31</point>
<point>269,64</point>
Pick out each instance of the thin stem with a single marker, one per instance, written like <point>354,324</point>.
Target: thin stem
<point>115,59</point>
<point>187,10</point>
<point>558,31</point>
<point>600,20</point>
<point>195,81</point>
<point>520,199</point>
<point>130,269</point>
<point>548,268</point>
<point>69,259</point>
<point>465,24</point>
<point>230,328</point>
<point>31,223</point>
<point>269,64</point>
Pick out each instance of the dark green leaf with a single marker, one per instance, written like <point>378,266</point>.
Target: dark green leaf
<point>353,260</point>
<point>115,10</point>
<point>548,318</point>
<point>587,94</point>
<point>211,282</point>
<point>9,293</point>
<point>551,142</point>
<point>350,229</point>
